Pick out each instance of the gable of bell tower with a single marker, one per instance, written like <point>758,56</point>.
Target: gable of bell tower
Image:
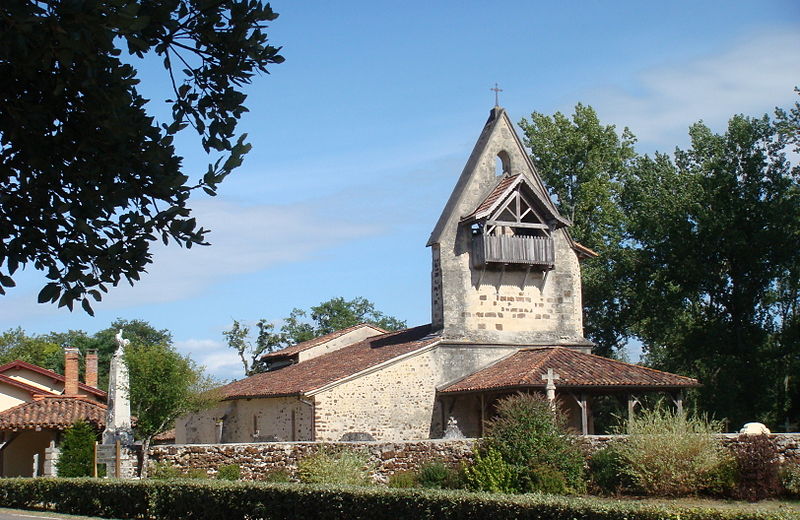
<point>505,269</point>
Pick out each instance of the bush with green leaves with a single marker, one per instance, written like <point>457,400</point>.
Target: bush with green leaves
<point>437,475</point>
<point>164,471</point>
<point>330,466</point>
<point>76,455</point>
<point>489,472</point>
<point>280,475</point>
<point>790,478</point>
<point>221,500</point>
<point>403,479</point>
<point>530,435</point>
<point>670,453</point>
<point>606,470</point>
<point>229,472</point>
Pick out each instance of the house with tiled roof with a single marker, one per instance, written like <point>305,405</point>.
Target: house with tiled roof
<point>506,317</point>
<point>37,405</point>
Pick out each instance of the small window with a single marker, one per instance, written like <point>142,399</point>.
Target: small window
<point>501,164</point>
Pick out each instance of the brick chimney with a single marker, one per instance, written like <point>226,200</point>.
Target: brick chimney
<point>91,368</point>
<point>71,360</point>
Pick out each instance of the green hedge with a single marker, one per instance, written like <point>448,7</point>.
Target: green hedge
<point>239,500</point>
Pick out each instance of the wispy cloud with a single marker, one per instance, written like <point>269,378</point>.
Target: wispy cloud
<point>221,362</point>
<point>751,77</point>
<point>244,238</point>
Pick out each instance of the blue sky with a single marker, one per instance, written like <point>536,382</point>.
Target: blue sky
<point>360,135</point>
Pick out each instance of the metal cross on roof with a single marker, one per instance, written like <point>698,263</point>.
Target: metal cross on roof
<point>496,90</point>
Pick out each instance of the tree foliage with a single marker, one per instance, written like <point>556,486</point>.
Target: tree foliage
<point>163,386</point>
<point>697,259</point>
<point>586,165</point>
<point>301,325</point>
<point>89,179</point>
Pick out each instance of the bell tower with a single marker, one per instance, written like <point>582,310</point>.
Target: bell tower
<point>504,267</point>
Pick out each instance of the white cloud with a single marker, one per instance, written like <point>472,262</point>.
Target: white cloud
<point>220,361</point>
<point>244,239</point>
<point>752,77</point>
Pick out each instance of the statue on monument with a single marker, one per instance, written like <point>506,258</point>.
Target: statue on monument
<point>118,416</point>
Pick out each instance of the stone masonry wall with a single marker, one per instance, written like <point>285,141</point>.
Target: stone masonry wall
<point>257,459</point>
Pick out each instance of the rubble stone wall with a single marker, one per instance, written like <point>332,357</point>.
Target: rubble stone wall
<point>258,459</point>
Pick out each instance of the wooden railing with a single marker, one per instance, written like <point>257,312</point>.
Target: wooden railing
<point>509,249</point>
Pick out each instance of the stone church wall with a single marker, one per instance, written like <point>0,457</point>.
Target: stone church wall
<point>390,404</point>
<point>248,420</point>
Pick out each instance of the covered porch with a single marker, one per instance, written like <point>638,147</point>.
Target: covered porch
<point>575,380</point>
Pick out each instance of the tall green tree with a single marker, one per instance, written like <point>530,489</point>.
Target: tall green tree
<point>89,177</point>
<point>586,165</point>
<point>163,386</point>
<point>714,261</point>
<point>301,325</point>
<point>38,350</point>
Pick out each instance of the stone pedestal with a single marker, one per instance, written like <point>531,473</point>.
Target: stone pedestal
<point>51,454</point>
<point>121,461</point>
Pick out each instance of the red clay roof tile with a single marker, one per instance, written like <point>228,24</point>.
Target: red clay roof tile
<point>53,413</point>
<point>576,369</point>
<point>317,372</point>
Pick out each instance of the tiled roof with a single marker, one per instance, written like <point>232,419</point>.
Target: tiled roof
<point>53,413</point>
<point>18,364</point>
<point>317,372</point>
<point>305,345</point>
<point>576,369</point>
<point>498,192</point>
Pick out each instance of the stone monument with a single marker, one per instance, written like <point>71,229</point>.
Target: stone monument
<point>117,451</point>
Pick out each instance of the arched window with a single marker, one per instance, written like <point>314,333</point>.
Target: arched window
<point>502,164</point>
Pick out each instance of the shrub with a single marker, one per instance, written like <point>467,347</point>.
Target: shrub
<point>721,481</point>
<point>438,475</point>
<point>757,464</point>
<point>606,467</point>
<point>326,466</point>
<point>196,473</point>
<point>164,471</point>
<point>217,500</point>
<point>489,472</point>
<point>669,453</point>
<point>547,479</point>
<point>790,478</point>
<point>403,479</point>
<point>229,472</point>
<point>76,456</point>
<point>278,476</point>
<point>529,434</point>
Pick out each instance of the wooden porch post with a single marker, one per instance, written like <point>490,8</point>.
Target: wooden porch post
<point>483,413</point>
<point>632,402</point>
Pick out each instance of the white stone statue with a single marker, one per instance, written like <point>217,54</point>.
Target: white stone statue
<point>452,431</point>
<point>754,428</point>
<point>118,416</point>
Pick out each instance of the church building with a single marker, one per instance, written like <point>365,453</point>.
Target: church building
<point>506,318</point>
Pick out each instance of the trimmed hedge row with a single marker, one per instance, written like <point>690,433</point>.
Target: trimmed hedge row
<point>249,500</point>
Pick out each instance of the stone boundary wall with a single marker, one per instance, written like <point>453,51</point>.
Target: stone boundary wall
<point>257,459</point>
